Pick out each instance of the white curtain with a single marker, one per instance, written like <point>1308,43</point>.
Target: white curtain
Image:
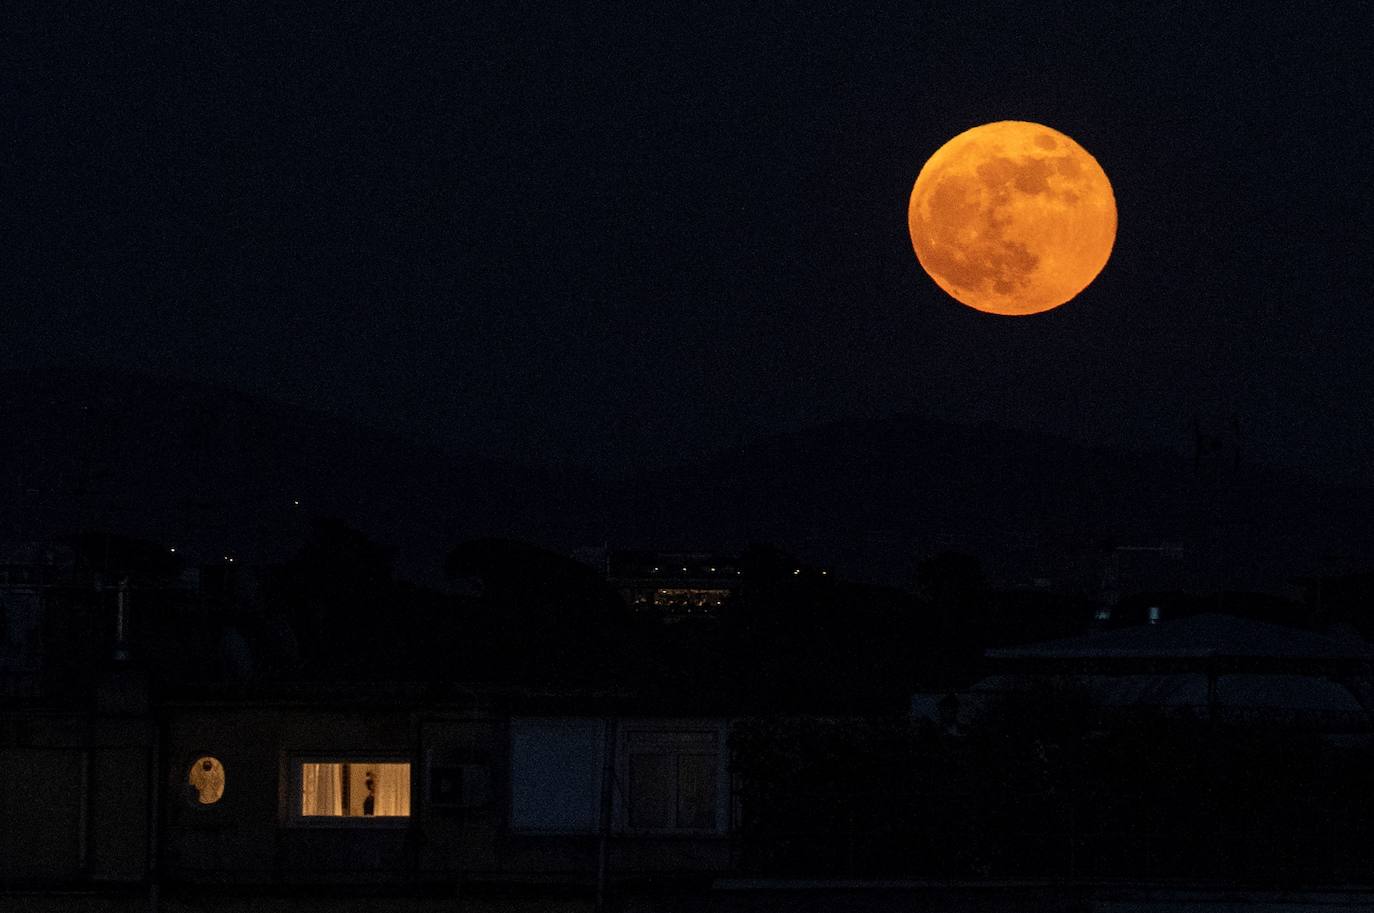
<point>322,789</point>
<point>391,786</point>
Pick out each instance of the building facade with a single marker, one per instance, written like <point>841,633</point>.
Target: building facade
<point>367,785</point>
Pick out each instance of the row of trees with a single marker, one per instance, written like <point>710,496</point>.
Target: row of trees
<point>799,641</point>
<point>538,617</point>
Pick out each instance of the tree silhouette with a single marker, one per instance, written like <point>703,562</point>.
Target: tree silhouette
<point>543,616</point>
<point>338,593</point>
<point>952,597</point>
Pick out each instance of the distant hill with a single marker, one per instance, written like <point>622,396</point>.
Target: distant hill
<point>210,470</point>
<point>874,497</point>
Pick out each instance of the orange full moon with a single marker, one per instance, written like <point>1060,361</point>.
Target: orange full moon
<point>1012,218</point>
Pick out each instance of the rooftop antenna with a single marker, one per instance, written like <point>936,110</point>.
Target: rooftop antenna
<point>121,647</point>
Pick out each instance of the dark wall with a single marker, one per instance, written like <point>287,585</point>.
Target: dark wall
<point>74,798</point>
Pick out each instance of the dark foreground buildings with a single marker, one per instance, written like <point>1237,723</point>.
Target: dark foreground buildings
<point>113,772</point>
<point>148,746</point>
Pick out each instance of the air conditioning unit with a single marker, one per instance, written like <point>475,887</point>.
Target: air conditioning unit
<point>459,785</point>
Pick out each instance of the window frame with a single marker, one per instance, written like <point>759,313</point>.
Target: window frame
<point>628,728</point>
<point>295,762</point>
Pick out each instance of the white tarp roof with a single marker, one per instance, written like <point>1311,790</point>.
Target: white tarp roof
<point>1200,636</point>
<point>1275,692</point>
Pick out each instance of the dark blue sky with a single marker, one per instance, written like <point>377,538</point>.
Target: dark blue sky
<point>626,234</point>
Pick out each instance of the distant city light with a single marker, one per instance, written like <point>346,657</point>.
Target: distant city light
<point>172,550</point>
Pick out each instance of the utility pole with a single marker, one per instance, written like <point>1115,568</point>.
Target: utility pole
<point>121,647</point>
<point>603,861</point>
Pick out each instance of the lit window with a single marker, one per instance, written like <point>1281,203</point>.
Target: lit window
<point>206,778</point>
<point>353,789</point>
<point>673,780</point>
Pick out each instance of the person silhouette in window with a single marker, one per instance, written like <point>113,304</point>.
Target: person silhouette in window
<point>370,803</point>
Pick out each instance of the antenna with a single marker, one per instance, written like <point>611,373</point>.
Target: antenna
<point>121,646</point>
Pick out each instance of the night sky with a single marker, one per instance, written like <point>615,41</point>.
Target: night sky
<point>628,234</point>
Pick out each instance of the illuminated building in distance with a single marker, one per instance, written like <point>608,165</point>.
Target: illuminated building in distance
<point>674,586</point>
